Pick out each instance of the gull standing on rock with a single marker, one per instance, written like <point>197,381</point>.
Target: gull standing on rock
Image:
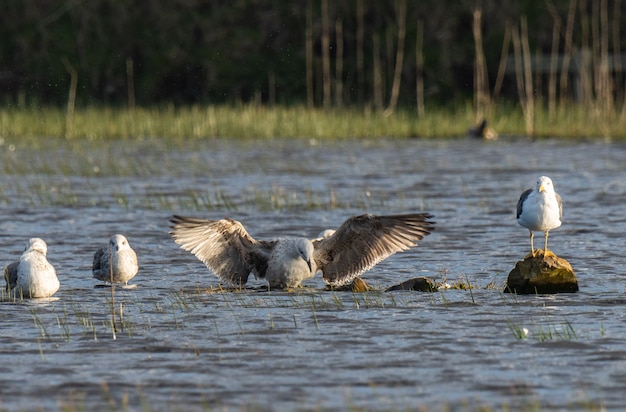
<point>122,259</point>
<point>540,210</point>
<point>32,276</point>
<point>357,245</point>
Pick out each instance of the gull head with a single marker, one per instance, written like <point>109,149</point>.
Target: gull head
<point>325,234</point>
<point>305,250</point>
<point>118,242</point>
<point>544,184</point>
<point>36,245</point>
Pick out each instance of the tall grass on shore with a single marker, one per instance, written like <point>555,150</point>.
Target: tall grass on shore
<point>255,121</point>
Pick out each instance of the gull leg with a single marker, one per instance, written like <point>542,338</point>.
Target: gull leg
<point>532,249</point>
<point>545,247</point>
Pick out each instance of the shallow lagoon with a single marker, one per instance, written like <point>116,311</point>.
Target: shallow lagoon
<point>178,346</point>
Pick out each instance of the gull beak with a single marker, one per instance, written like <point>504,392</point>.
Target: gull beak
<point>308,262</point>
<point>542,188</point>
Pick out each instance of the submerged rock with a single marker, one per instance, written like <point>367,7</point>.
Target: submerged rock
<point>542,273</point>
<point>421,284</point>
<point>358,285</point>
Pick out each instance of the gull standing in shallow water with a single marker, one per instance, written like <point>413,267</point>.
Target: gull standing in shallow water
<point>540,210</point>
<point>122,259</point>
<point>356,246</point>
<point>32,276</point>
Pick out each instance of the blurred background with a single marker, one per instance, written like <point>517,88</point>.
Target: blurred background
<point>321,53</point>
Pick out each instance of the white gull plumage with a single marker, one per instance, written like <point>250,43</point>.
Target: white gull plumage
<point>32,276</point>
<point>540,209</point>
<point>123,261</point>
<point>356,246</point>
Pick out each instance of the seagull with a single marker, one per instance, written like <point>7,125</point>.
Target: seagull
<point>357,245</point>
<point>32,276</point>
<point>540,210</point>
<point>123,261</point>
<point>326,233</point>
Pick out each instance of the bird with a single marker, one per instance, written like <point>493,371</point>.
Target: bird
<point>325,234</point>
<point>356,246</point>
<point>481,131</point>
<point>32,276</point>
<point>540,209</point>
<point>122,259</point>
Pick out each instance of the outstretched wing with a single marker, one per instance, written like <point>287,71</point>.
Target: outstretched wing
<point>224,246</point>
<point>363,241</point>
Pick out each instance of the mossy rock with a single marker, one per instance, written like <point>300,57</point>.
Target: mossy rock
<point>540,274</point>
<point>421,284</point>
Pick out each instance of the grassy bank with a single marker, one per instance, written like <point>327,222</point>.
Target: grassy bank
<point>251,121</point>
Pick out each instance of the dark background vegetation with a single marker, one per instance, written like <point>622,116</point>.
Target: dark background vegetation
<point>191,51</point>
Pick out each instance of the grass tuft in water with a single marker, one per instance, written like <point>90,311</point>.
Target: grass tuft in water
<point>518,331</point>
<point>39,324</point>
<point>564,331</point>
<point>545,332</point>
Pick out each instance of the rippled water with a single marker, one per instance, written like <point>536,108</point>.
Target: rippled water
<point>180,347</point>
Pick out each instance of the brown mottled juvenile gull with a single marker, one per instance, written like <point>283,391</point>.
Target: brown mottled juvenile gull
<point>32,276</point>
<point>540,209</point>
<point>356,246</point>
<point>122,258</point>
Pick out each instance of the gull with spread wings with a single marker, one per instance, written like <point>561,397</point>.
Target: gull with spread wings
<point>357,245</point>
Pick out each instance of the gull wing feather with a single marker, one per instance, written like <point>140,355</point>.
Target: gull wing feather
<point>363,241</point>
<point>521,201</point>
<point>97,260</point>
<point>224,246</point>
<point>10,275</point>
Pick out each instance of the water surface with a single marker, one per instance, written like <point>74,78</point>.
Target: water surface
<point>180,347</point>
